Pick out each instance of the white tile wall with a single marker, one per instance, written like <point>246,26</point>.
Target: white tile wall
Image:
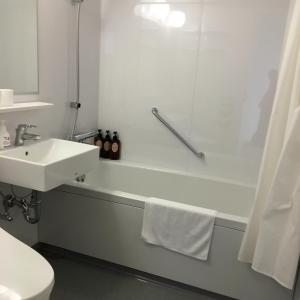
<point>209,66</point>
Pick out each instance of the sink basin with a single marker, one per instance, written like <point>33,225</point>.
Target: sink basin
<point>45,165</point>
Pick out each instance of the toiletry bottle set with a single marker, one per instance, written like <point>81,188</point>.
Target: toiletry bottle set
<point>110,148</point>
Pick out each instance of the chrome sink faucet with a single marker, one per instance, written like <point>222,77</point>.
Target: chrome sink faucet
<point>22,134</point>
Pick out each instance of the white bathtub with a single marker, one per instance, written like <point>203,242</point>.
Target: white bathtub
<point>232,200</point>
<point>102,217</point>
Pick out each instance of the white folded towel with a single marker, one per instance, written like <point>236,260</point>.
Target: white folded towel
<point>179,227</point>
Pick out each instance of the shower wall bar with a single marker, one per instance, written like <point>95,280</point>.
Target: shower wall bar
<point>155,112</point>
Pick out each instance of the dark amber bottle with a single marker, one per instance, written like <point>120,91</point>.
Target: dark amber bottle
<point>106,145</point>
<point>98,141</point>
<point>115,150</point>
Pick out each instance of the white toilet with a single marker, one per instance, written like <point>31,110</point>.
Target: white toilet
<point>24,273</point>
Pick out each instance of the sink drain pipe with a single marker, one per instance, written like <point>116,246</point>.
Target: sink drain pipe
<point>31,208</point>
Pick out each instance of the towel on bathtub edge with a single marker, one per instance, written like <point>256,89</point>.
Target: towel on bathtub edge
<point>182,228</point>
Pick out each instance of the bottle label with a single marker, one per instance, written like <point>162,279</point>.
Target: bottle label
<point>106,146</point>
<point>114,147</point>
<point>99,144</point>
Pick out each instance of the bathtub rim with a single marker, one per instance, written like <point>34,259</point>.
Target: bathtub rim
<point>132,164</point>
<point>123,198</point>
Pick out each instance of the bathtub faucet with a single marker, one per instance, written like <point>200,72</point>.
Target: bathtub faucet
<point>81,137</point>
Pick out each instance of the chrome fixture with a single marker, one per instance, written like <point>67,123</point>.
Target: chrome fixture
<point>75,105</point>
<point>155,112</point>
<point>5,215</point>
<point>81,137</point>
<point>81,178</point>
<point>31,207</point>
<point>22,134</point>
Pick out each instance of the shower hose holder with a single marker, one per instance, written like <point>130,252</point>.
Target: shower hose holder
<point>75,104</point>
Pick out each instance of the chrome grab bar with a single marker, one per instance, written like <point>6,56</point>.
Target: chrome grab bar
<point>155,112</point>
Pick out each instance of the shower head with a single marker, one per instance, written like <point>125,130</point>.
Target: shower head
<point>76,1</point>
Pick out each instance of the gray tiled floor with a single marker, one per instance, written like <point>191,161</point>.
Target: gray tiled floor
<point>78,280</point>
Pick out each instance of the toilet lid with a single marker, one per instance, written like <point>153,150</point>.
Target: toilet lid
<point>24,274</point>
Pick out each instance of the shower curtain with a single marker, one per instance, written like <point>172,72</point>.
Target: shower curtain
<point>272,239</point>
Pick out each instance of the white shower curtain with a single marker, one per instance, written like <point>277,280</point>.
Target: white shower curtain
<point>272,239</point>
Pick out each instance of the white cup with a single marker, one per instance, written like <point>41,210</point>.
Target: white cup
<point>6,97</point>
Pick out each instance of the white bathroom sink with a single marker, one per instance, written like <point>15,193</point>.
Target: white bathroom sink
<point>45,165</point>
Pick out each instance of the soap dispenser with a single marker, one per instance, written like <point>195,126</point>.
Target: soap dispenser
<point>106,145</point>
<point>115,147</point>
<point>98,141</point>
<point>4,136</point>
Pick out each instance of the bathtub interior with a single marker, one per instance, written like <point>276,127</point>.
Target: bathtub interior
<point>228,197</point>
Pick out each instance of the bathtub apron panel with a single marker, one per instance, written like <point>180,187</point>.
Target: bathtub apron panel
<point>108,229</point>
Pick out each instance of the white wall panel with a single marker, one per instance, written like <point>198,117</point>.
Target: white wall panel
<point>209,66</point>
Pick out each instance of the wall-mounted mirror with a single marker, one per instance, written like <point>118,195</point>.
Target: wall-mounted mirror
<point>18,46</point>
